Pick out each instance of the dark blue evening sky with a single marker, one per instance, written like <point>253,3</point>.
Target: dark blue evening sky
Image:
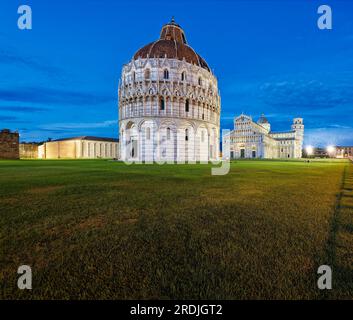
<point>60,79</point>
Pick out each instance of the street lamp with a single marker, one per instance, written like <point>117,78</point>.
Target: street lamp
<point>309,150</point>
<point>331,150</point>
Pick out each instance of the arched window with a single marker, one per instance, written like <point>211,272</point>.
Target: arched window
<point>200,81</point>
<point>166,74</point>
<point>147,74</point>
<point>168,133</point>
<point>183,76</point>
<point>133,76</point>
<point>186,134</point>
<point>187,105</point>
<point>148,133</point>
<point>161,104</point>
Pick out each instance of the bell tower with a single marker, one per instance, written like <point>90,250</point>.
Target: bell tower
<point>298,128</point>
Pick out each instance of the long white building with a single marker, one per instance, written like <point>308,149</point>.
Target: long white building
<point>251,139</point>
<point>85,147</point>
<point>169,105</point>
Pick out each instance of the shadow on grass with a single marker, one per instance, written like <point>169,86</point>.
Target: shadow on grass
<point>348,228</point>
<point>342,275</point>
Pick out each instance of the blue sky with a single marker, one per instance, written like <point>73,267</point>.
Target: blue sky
<point>60,79</point>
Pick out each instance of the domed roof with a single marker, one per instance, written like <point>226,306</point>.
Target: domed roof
<point>262,119</point>
<point>171,44</point>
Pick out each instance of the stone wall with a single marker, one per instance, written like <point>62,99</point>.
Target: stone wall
<point>9,144</point>
<point>28,150</point>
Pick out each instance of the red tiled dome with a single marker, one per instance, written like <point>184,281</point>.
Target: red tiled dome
<point>171,44</point>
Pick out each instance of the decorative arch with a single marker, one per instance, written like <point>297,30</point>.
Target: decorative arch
<point>187,124</point>
<point>129,125</point>
<point>167,123</point>
<point>147,74</point>
<point>142,122</point>
<point>183,76</point>
<point>165,90</point>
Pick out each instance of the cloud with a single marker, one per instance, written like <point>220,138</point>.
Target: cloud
<point>7,118</point>
<point>44,95</point>
<point>305,94</point>
<point>22,60</point>
<point>329,136</point>
<point>80,125</point>
<point>60,130</point>
<point>340,126</point>
<point>27,134</point>
<point>22,109</point>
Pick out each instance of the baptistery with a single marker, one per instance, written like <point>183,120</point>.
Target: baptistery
<point>169,104</point>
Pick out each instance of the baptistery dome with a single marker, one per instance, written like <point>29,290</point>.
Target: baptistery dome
<point>169,105</point>
<point>172,44</point>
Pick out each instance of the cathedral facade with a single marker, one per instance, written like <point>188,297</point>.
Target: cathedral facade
<point>251,139</point>
<point>169,105</point>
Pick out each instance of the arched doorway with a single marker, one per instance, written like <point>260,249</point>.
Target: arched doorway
<point>131,142</point>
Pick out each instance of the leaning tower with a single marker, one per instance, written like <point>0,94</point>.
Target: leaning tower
<point>298,128</point>
<point>169,105</point>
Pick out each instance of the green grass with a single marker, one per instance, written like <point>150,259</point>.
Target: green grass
<point>101,229</point>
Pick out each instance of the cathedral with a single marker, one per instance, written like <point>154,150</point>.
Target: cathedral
<point>169,104</point>
<point>251,139</point>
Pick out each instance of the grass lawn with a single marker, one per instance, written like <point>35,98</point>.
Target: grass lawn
<point>102,229</point>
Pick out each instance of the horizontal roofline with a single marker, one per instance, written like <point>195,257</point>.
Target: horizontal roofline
<point>278,132</point>
<point>279,139</point>
<point>87,138</point>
